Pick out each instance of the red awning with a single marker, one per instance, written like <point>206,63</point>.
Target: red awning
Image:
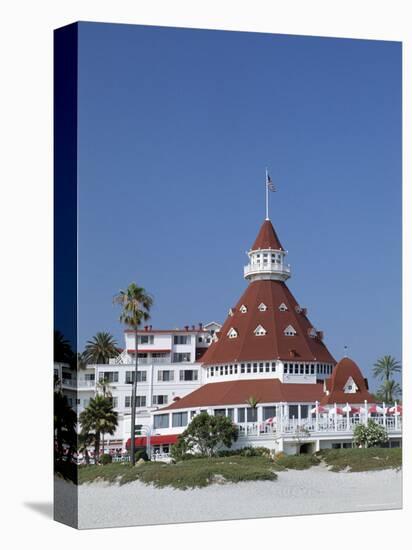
<point>154,440</point>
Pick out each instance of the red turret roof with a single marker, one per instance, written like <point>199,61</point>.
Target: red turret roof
<point>267,238</point>
<point>236,392</point>
<point>343,371</point>
<point>247,346</point>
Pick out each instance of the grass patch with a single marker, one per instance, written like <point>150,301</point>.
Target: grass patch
<point>187,474</point>
<point>295,462</point>
<point>362,460</point>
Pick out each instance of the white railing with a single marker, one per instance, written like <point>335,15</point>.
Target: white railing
<point>73,383</point>
<point>309,426</point>
<point>129,360</point>
<point>266,268</point>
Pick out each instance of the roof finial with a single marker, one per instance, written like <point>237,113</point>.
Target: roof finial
<point>345,350</point>
<point>268,187</point>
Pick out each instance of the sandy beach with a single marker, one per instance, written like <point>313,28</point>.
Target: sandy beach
<point>313,491</point>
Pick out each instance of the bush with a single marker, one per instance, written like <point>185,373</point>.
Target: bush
<point>371,435</point>
<point>138,455</point>
<point>205,434</point>
<point>106,459</point>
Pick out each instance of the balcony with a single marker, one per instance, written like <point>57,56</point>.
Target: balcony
<point>268,268</point>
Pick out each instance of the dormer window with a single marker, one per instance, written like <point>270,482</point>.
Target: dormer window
<point>232,333</point>
<point>312,332</point>
<point>262,307</point>
<point>350,386</point>
<point>283,307</point>
<point>289,331</point>
<point>243,309</point>
<point>298,309</point>
<point>259,331</point>
<point>230,312</point>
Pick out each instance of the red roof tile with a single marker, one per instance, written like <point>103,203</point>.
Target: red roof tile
<point>345,369</point>
<point>236,392</point>
<point>274,344</point>
<point>267,238</point>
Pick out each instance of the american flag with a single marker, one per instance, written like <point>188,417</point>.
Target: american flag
<point>270,184</point>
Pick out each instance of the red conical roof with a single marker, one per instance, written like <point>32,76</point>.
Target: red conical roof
<point>274,344</point>
<point>267,238</point>
<point>345,369</point>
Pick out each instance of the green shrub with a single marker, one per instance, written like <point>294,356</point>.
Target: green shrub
<point>141,454</point>
<point>371,435</point>
<point>106,459</point>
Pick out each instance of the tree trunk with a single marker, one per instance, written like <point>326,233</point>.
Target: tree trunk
<point>96,447</point>
<point>133,404</point>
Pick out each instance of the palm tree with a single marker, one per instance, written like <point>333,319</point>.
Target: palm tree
<point>64,426</point>
<point>100,348</point>
<point>386,367</point>
<point>98,418</point>
<point>85,439</point>
<point>63,352</point>
<point>389,391</point>
<point>136,304</point>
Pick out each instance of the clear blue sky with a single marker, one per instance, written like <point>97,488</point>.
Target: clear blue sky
<point>176,127</point>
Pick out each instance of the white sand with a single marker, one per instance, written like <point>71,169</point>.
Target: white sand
<point>313,491</point>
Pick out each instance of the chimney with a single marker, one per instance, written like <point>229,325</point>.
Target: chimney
<point>200,326</point>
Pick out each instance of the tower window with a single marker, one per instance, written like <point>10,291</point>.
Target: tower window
<point>232,333</point>
<point>259,331</point>
<point>262,307</point>
<point>289,331</point>
<point>283,307</point>
<point>243,309</point>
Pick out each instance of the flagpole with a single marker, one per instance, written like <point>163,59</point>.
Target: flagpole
<point>267,195</point>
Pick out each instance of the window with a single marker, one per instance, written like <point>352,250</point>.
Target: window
<point>262,307</point>
<point>141,376</point>
<point>226,370</point>
<point>293,411</point>
<point>160,399</point>
<point>243,309</point>
<point>161,421</point>
<point>179,419</point>
<point>259,331</point>
<point>301,369</point>
<point>230,312</point>
<point>109,376</point>
<point>269,412</point>
<point>312,369</point>
<point>230,413</point>
<point>146,339</point>
<point>273,367</point>
<point>220,412</point>
<point>255,367</point>
<point>232,333</point>
<point>260,367</point>
<point>140,401</point>
<point>181,358</point>
<point>181,339</point>
<point>90,377</point>
<point>165,376</point>
<point>251,414</point>
<point>304,409</point>
<point>267,367</point>
<point>241,415</point>
<point>283,307</point>
<point>289,331</point>
<point>188,375</point>
<point>249,368</point>
<point>114,401</point>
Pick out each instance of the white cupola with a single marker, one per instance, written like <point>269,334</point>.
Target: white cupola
<point>267,257</point>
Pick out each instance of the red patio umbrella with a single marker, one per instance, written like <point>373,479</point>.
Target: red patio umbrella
<point>320,410</point>
<point>397,409</point>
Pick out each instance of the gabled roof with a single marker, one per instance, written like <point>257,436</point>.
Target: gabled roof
<point>274,344</point>
<point>267,238</point>
<point>236,392</point>
<point>345,369</point>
